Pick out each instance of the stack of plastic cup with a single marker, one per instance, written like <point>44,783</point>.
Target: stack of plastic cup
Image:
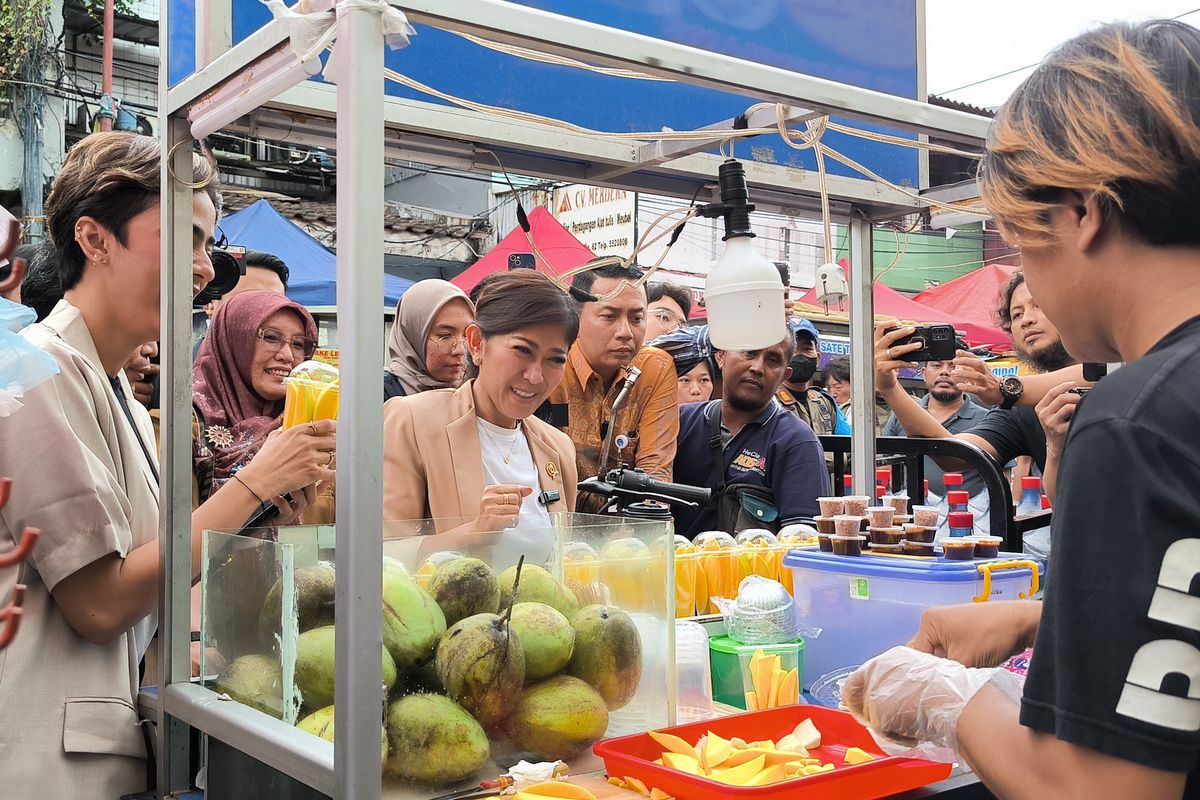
<point>693,673</point>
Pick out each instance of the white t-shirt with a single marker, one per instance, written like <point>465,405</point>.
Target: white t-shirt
<point>497,444</point>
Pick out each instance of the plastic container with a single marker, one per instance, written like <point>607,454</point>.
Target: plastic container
<point>845,545</point>
<point>866,605</point>
<point>919,533</point>
<point>730,681</point>
<point>825,542</point>
<point>925,515</point>
<point>911,548</point>
<point>856,504</point>
<point>961,523</point>
<point>897,501</point>
<point>831,506</point>
<point>958,500</point>
<point>987,546</point>
<point>633,757</point>
<point>958,549</point>
<point>847,524</point>
<point>719,569</point>
<point>880,516</point>
<point>693,672</point>
<point>311,394</point>
<point>887,549</point>
<point>885,536</point>
<point>824,524</point>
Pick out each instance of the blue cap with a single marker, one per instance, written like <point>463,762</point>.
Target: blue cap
<point>800,325</point>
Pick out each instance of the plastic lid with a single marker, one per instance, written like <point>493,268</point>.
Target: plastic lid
<point>316,371</point>
<point>883,474</point>
<point>952,478</point>
<point>880,491</point>
<point>961,519</point>
<point>1031,482</point>
<point>848,480</point>
<point>1045,501</point>
<point>723,644</point>
<point>958,497</point>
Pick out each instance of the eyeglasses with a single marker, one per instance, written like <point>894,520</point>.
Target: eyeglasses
<point>273,339</point>
<point>668,320</point>
<point>447,343</point>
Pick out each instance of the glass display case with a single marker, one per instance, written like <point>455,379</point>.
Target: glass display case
<point>484,664</point>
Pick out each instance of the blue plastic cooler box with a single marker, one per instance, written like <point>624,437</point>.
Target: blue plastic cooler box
<point>864,605</point>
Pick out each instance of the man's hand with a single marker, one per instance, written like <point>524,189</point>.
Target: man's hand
<point>971,375</point>
<point>978,634</point>
<point>888,355</point>
<point>1055,411</point>
<point>140,372</point>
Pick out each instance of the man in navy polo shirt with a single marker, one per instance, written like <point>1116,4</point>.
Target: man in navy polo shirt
<point>757,441</point>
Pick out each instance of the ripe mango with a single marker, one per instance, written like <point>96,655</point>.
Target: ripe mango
<point>557,718</point>
<point>433,740</point>
<point>315,667</point>
<point>314,602</point>
<point>560,790</point>
<point>320,723</point>
<point>465,587</point>
<point>608,653</point>
<point>537,586</point>
<point>482,666</point>
<point>255,681</point>
<point>546,637</point>
<point>412,621</point>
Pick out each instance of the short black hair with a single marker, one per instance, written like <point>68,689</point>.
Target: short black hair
<point>584,281</point>
<point>680,294</point>
<point>257,258</point>
<point>838,369</point>
<point>1004,310</point>
<point>42,287</point>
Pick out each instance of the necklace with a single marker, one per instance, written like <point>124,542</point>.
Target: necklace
<point>497,438</point>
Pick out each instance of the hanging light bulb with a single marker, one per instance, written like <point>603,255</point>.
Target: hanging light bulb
<point>831,285</point>
<point>743,293</point>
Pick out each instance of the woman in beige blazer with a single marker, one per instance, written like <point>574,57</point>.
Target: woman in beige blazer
<point>477,452</point>
<point>81,453</point>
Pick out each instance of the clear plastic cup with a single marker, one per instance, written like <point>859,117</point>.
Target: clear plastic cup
<point>919,533</point>
<point>925,515</point>
<point>856,504</point>
<point>693,672</point>
<point>847,524</point>
<point>898,502</point>
<point>831,506</point>
<point>824,541</point>
<point>311,394</point>
<point>687,567</point>
<point>824,524</point>
<point>848,545</point>
<point>718,567</point>
<point>987,546</point>
<point>880,516</point>
<point>960,549</point>
<point>626,569</point>
<point>885,536</point>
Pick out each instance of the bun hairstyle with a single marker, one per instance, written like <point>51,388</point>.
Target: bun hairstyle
<point>1114,112</point>
<point>511,301</point>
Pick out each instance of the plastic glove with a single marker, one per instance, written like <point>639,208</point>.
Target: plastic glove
<point>907,694</point>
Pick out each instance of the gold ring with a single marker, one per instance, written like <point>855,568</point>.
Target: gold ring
<point>329,463</point>
<point>889,353</point>
<point>312,427</point>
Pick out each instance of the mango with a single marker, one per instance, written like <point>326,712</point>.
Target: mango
<point>674,744</point>
<point>546,637</point>
<point>856,755</point>
<point>315,667</point>
<point>681,762</point>
<point>556,789</point>
<point>737,776</point>
<point>537,586</point>
<point>807,735</point>
<point>608,653</point>
<point>434,740</point>
<point>464,587</point>
<point>320,723</point>
<point>412,621</point>
<point>557,718</point>
<point>255,681</point>
<point>314,602</point>
<point>482,666</point>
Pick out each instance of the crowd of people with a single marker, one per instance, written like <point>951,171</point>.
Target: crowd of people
<point>498,402</point>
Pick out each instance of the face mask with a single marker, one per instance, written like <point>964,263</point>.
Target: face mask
<point>803,368</point>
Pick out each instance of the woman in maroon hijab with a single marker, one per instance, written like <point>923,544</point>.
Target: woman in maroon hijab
<point>256,339</point>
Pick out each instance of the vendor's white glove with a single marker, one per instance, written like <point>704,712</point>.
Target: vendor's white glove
<point>907,694</point>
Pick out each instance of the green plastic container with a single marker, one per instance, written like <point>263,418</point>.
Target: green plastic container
<point>730,663</point>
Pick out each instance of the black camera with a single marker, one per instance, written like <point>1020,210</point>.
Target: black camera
<point>229,265</point>
<point>937,343</point>
<point>521,261</point>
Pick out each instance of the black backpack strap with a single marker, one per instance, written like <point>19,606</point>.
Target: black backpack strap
<point>712,415</point>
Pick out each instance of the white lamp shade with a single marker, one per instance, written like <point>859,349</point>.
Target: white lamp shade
<point>744,299</point>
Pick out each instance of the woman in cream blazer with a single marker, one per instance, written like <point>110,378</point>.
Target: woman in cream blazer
<point>477,452</point>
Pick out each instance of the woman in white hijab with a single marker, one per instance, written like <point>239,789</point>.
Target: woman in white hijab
<point>427,348</point>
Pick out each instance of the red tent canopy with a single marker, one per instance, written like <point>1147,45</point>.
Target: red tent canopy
<point>891,303</point>
<point>973,296</point>
<point>555,243</point>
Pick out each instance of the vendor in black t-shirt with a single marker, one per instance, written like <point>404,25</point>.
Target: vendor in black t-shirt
<point>1092,169</point>
<point>1009,430</point>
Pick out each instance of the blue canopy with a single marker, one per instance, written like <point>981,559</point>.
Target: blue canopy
<point>313,266</point>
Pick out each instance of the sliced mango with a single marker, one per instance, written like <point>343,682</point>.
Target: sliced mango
<point>857,756</point>
<point>737,776</point>
<point>751,701</point>
<point>557,789</point>
<point>763,744</point>
<point>683,763</point>
<point>674,744</point>
<point>740,757</point>
<point>790,743</point>
<point>738,743</point>
<point>659,794</point>
<point>637,786</point>
<point>716,750</point>
<point>789,689</point>
<point>772,774</point>
<point>808,735</point>
<point>326,406</point>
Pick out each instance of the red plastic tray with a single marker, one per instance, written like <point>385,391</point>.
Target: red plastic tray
<point>633,757</point>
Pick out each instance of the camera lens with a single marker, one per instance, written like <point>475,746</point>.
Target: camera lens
<point>226,273</point>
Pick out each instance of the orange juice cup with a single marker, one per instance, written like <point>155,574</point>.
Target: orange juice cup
<point>311,394</point>
<point>626,568</point>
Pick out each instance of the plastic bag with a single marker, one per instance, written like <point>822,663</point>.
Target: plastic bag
<point>22,365</point>
<point>762,614</point>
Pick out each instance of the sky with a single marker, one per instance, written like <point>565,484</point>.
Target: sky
<point>973,41</point>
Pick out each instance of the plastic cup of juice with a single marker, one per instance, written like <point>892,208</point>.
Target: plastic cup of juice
<point>719,565</point>
<point>311,394</point>
<point>625,568</point>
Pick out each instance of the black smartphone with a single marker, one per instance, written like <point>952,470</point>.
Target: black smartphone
<point>1094,372</point>
<point>1080,390</point>
<point>521,261</point>
<point>937,343</point>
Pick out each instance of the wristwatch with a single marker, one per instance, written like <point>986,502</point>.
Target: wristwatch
<point>1011,390</point>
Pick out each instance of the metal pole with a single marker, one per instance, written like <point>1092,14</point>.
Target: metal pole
<point>358,601</point>
<point>106,73</point>
<point>862,354</point>
<point>214,30</point>
<point>175,499</point>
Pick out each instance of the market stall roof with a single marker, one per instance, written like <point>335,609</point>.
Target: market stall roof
<point>555,242</point>
<point>890,303</point>
<point>972,296</point>
<point>313,267</point>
